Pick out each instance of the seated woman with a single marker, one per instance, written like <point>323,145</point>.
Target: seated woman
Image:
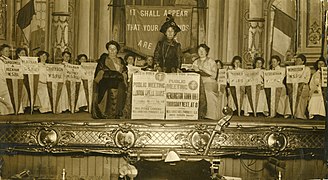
<point>149,64</point>
<point>208,71</point>
<point>110,84</point>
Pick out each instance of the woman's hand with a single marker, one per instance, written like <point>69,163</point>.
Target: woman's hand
<point>99,76</point>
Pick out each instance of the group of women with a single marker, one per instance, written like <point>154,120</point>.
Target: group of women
<point>112,74</point>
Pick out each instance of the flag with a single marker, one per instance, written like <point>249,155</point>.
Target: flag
<point>284,30</point>
<point>25,15</point>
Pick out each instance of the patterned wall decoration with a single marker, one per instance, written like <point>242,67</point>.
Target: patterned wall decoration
<point>314,21</point>
<point>3,19</point>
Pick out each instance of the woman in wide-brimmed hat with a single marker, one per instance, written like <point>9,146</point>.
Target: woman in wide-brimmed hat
<point>167,53</point>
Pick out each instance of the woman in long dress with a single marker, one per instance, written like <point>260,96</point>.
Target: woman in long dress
<point>42,97</point>
<point>208,71</point>
<point>110,84</point>
<point>6,106</point>
<point>317,101</point>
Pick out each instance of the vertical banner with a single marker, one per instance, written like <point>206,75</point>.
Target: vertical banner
<point>237,82</point>
<point>222,80</point>
<point>294,75</point>
<point>73,83</point>
<point>324,76</point>
<point>144,22</point>
<point>14,79</point>
<point>55,79</point>
<point>148,95</point>
<point>31,77</point>
<point>87,73</point>
<point>182,96</point>
<point>252,80</point>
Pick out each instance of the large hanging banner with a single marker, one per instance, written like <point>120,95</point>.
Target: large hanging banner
<point>182,95</point>
<point>324,76</point>
<point>88,72</point>
<point>14,79</point>
<point>148,95</point>
<point>143,24</point>
<point>55,79</point>
<point>31,73</point>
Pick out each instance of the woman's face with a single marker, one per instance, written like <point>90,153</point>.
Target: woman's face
<point>237,64</point>
<point>150,61</point>
<point>321,64</point>
<point>66,57</point>
<point>5,52</point>
<point>130,60</point>
<point>83,59</point>
<point>170,33</point>
<point>22,53</point>
<point>274,63</point>
<point>258,64</point>
<point>298,61</point>
<point>112,50</point>
<point>202,52</point>
<point>43,58</point>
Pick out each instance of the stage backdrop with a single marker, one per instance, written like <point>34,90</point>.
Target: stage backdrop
<point>143,25</point>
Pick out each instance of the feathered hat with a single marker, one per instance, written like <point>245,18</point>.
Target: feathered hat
<point>169,23</point>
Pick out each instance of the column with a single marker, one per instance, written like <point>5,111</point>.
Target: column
<point>104,26</point>
<point>231,30</point>
<point>60,18</point>
<point>213,24</point>
<point>256,29</point>
<point>83,46</point>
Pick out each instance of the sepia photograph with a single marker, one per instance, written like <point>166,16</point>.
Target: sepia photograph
<point>163,89</point>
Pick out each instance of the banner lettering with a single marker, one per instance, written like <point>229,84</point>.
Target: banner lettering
<point>236,77</point>
<point>30,65</point>
<point>273,78</point>
<point>295,74</point>
<point>222,77</point>
<point>143,25</point>
<point>73,72</point>
<point>55,72</point>
<point>13,69</point>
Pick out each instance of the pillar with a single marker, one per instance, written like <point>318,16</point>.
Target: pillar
<point>60,18</point>
<point>104,29</point>
<point>213,24</point>
<point>256,30</point>
<point>83,46</point>
<point>231,30</point>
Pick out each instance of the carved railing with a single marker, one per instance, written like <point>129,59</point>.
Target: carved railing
<point>154,138</point>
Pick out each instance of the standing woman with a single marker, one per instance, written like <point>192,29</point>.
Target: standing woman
<point>208,71</point>
<point>110,84</point>
<point>167,54</point>
<point>303,89</point>
<point>6,106</point>
<point>317,101</point>
<point>42,97</point>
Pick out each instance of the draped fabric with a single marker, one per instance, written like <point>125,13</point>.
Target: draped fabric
<point>109,93</point>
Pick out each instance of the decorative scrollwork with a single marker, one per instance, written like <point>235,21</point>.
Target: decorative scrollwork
<point>108,137</point>
<point>276,141</point>
<point>314,33</point>
<point>183,138</point>
<point>66,137</point>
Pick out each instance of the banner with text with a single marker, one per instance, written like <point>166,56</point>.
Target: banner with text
<point>72,72</point>
<point>182,95</point>
<point>295,74</point>
<point>13,69</point>
<point>252,77</point>
<point>222,77</point>
<point>144,22</point>
<point>324,76</point>
<point>30,65</point>
<point>273,78</point>
<point>88,70</point>
<point>148,95</point>
<point>236,77</point>
<point>55,72</point>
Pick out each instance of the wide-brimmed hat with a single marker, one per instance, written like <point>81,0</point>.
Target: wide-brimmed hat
<point>169,23</point>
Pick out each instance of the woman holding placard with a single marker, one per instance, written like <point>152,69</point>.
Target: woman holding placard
<point>42,97</point>
<point>317,102</point>
<point>6,106</point>
<point>110,84</point>
<point>208,72</point>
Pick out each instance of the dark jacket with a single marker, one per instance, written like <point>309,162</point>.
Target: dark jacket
<point>168,55</point>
